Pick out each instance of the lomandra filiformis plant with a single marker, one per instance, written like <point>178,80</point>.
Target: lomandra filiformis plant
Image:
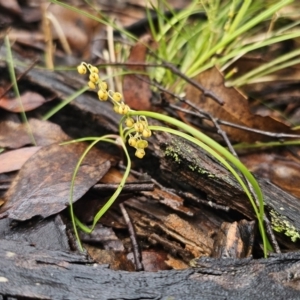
<point>135,130</point>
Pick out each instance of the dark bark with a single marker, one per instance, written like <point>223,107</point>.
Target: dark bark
<point>44,274</point>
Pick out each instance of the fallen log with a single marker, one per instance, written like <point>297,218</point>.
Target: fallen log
<point>29,272</point>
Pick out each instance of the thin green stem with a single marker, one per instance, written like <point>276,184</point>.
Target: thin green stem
<point>73,184</point>
<point>75,221</point>
<point>64,103</point>
<point>12,73</point>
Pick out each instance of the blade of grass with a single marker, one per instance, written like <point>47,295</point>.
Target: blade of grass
<point>272,66</point>
<point>10,62</point>
<point>250,24</point>
<point>65,102</point>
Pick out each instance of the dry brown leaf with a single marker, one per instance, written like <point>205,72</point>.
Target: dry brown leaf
<point>30,101</point>
<point>15,159</point>
<point>137,92</point>
<point>235,108</point>
<point>14,135</point>
<point>31,38</point>
<point>197,242</point>
<point>42,187</point>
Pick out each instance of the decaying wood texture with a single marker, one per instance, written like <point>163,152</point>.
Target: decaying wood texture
<point>234,240</point>
<point>184,164</point>
<point>44,274</point>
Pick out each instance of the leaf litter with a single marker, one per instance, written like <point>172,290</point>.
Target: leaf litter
<point>42,187</point>
<point>43,182</point>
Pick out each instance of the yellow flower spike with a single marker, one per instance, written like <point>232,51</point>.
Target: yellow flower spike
<point>94,69</point>
<point>103,95</point>
<point>117,97</point>
<point>129,122</point>
<point>81,69</point>
<point>103,85</point>
<point>140,153</point>
<point>132,141</point>
<point>94,77</point>
<point>146,133</point>
<point>138,127</point>
<point>91,85</point>
<point>141,144</point>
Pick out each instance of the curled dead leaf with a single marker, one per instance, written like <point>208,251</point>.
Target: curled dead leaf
<point>42,186</point>
<point>235,109</point>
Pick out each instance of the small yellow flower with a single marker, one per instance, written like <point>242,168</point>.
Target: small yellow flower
<point>117,97</point>
<point>138,127</point>
<point>123,109</point>
<point>146,133</point>
<point>81,69</point>
<point>91,85</point>
<point>94,69</point>
<point>103,85</point>
<point>129,122</point>
<point>140,153</point>
<point>141,144</point>
<point>94,77</point>
<point>103,95</point>
<point>132,141</point>
<point>116,109</point>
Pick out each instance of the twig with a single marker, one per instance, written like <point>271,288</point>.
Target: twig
<point>135,247</point>
<point>187,79</point>
<point>128,187</point>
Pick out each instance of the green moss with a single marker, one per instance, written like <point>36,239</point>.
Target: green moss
<point>281,224</point>
<point>175,151</point>
<point>170,152</point>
